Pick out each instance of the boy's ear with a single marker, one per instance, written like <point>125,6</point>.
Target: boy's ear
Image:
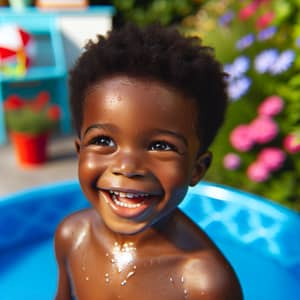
<point>77,145</point>
<point>202,163</point>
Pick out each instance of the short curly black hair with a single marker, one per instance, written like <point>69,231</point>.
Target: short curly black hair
<point>160,54</point>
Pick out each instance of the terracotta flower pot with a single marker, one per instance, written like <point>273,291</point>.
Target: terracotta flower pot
<point>31,150</point>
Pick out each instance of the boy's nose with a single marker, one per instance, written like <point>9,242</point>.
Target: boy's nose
<point>129,165</point>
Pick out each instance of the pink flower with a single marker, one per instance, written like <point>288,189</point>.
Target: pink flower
<point>247,11</point>
<point>271,106</point>
<point>241,138</point>
<point>272,158</point>
<point>231,161</point>
<point>257,172</point>
<point>263,129</point>
<point>292,143</point>
<point>265,20</point>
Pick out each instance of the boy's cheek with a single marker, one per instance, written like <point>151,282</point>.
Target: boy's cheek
<point>90,167</point>
<point>89,161</point>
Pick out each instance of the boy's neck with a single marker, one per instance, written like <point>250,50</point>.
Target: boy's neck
<point>146,236</point>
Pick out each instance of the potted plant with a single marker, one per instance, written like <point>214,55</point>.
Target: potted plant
<point>30,123</point>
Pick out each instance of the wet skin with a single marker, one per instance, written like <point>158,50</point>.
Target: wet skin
<point>138,154</point>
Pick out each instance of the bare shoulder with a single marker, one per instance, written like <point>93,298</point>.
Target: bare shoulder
<point>71,228</point>
<point>208,275</point>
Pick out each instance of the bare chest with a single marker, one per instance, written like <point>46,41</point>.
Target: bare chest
<point>111,277</point>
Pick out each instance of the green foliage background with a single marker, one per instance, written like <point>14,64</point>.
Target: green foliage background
<point>283,186</point>
<point>143,12</point>
<point>29,121</point>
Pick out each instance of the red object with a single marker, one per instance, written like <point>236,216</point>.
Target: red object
<point>31,150</point>
<point>13,102</point>
<point>54,112</point>
<point>6,53</point>
<point>40,101</point>
<point>25,36</point>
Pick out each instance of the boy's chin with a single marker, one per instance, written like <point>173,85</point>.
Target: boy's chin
<point>126,228</point>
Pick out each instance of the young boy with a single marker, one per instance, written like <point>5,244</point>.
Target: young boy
<point>146,105</point>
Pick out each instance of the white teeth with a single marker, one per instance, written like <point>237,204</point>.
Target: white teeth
<point>124,204</point>
<point>117,195</point>
<point>128,195</point>
<point>114,192</point>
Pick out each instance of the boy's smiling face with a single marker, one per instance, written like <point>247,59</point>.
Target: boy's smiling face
<point>138,151</point>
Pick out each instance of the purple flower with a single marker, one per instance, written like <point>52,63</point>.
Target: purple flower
<point>241,138</point>
<point>226,18</point>
<point>231,161</point>
<point>263,129</point>
<point>283,62</point>
<point>238,87</point>
<point>265,60</point>
<point>271,106</point>
<point>245,42</point>
<point>272,158</point>
<point>257,172</point>
<point>239,66</point>
<point>267,33</point>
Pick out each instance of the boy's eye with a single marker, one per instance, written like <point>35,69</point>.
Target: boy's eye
<point>162,146</point>
<point>102,140</point>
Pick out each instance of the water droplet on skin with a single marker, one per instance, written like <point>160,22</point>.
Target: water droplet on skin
<point>123,282</point>
<point>107,254</point>
<point>134,267</point>
<point>112,261</point>
<point>106,275</point>
<point>87,278</point>
<point>182,279</point>
<point>130,274</point>
<point>171,280</point>
<point>83,268</point>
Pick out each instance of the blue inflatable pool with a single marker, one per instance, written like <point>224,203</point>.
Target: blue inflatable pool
<point>259,238</point>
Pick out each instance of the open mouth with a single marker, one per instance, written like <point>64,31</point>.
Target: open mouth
<point>129,200</point>
<point>130,204</point>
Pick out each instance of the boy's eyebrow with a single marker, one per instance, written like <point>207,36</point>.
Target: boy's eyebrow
<point>173,133</point>
<point>100,126</point>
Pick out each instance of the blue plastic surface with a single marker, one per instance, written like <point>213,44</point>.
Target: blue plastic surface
<point>260,239</point>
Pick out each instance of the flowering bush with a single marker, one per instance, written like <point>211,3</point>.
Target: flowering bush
<point>258,41</point>
<point>31,116</point>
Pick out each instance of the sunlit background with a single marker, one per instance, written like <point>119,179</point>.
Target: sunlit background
<point>257,150</point>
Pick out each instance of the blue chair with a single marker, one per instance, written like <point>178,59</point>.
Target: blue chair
<point>48,71</point>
